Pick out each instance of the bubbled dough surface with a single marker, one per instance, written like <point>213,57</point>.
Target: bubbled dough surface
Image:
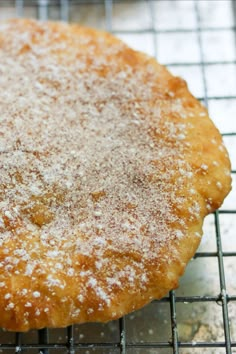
<point>108,167</point>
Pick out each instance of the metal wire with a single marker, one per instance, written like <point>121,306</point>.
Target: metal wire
<point>64,10</point>
<point>174,323</point>
<point>43,9</point>
<point>19,7</point>
<point>122,329</point>
<point>223,294</point>
<point>123,345</point>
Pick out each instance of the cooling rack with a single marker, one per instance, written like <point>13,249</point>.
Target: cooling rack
<point>197,40</point>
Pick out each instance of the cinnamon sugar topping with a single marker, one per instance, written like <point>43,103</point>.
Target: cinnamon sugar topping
<point>71,151</point>
<point>87,155</point>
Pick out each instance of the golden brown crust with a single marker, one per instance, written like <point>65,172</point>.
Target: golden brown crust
<point>108,167</point>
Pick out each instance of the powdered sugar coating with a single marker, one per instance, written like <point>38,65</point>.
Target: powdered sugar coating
<point>93,162</point>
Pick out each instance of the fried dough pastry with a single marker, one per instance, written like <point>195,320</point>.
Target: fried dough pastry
<point>108,167</point>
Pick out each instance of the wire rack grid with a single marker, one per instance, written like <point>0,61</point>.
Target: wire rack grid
<point>197,40</point>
